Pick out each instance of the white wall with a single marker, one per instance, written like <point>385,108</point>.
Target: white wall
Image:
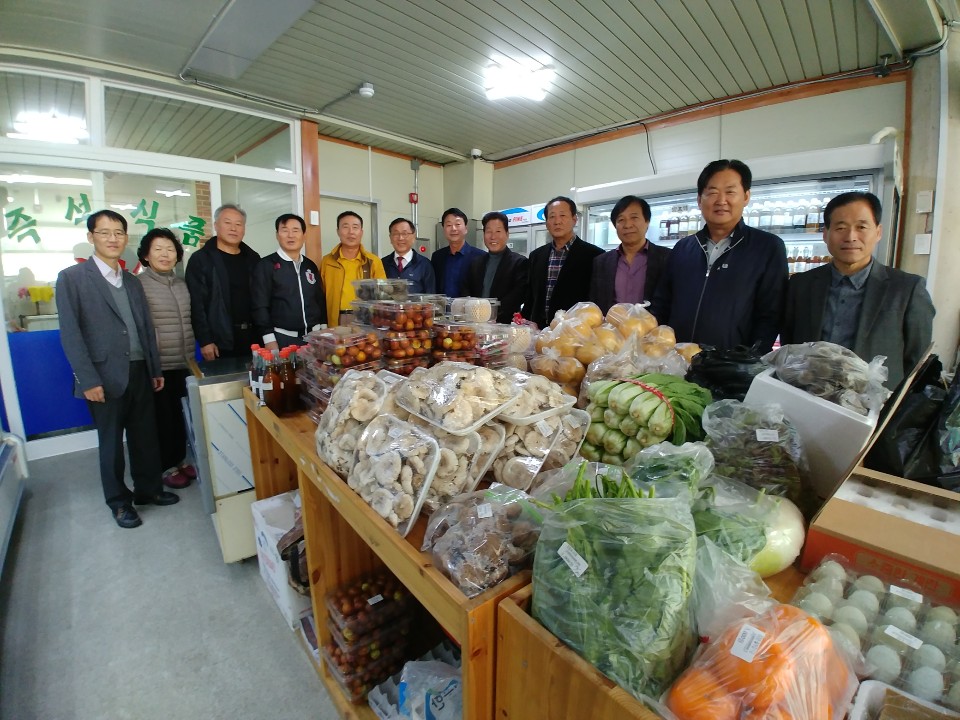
<point>835,120</point>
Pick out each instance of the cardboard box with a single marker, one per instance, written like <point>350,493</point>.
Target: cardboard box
<point>228,447</point>
<point>833,437</point>
<point>893,528</point>
<point>271,519</point>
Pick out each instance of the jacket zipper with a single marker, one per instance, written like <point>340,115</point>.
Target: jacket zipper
<point>706,279</point>
<point>303,307</point>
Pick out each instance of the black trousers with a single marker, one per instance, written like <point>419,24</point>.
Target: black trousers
<point>133,412</point>
<point>171,429</point>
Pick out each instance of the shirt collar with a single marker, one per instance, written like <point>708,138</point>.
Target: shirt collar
<point>407,257</point>
<point>113,276</point>
<point>284,256</point>
<point>645,247</point>
<point>857,279</point>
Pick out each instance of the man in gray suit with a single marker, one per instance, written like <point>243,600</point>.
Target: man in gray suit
<point>109,340</point>
<point>855,301</point>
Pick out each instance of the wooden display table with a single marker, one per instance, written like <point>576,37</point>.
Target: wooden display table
<point>345,538</point>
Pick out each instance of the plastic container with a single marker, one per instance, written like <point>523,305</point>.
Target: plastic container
<point>472,309</point>
<point>366,604</point>
<point>457,468</point>
<point>525,450</point>
<point>382,289</point>
<point>459,356</point>
<point>381,642</point>
<point>539,398</point>
<point>356,685</point>
<point>574,425</point>
<point>493,343</point>
<point>389,315</point>
<point>345,346</point>
<point>457,397</point>
<point>384,699</point>
<point>438,301</point>
<point>492,436</point>
<point>455,336</point>
<point>395,464</point>
<point>329,375</point>
<point>870,699</point>
<point>405,367</point>
<point>363,311</point>
<point>404,344</point>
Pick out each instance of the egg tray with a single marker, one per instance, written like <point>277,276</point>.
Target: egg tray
<point>384,699</point>
<point>907,641</point>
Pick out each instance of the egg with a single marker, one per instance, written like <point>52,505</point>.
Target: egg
<point>869,582</point>
<point>902,618</point>
<point>852,616</point>
<point>817,604</point>
<point>926,683</point>
<point>829,586</point>
<point>883,663</point>
<point>953,697</point>
<point>844,634</point>
<point>930,656</point>
<point>942,612</point>
<point>830,569</point>
<point>939,633</point>
<point>868,603</point>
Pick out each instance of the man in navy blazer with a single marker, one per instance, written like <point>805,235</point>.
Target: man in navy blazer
<point>405,263</point>
<point>855,300</point>
<point>109,340</point>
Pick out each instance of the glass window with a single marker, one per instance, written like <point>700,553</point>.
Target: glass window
<point>263,202</point>
<point>37,107</point>
<point>142,121</point>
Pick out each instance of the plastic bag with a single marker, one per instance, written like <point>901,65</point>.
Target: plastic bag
<point>724,591</point>
<point>430,690</point>
<point>525,449</point>
<point>690,464</point>
<point>551,487</point>
<point>726,373</point>
<point>612,578</point>
<point>457,467</point>
<point>757,446</point>
<point>539,398</point>
<point>781,664</point>
<point>948,431</point>
<point>356,400</point>
<point>638,356</point>
<point>833,373</point>
<point>567,371</point>
<point>573,431</point>
<point>631,319</point>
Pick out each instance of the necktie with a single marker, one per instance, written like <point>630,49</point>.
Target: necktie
<point>400,264</point>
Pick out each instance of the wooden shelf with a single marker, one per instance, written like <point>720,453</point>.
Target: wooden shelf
<point>345,538</point>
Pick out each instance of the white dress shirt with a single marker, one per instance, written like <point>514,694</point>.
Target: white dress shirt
<point>114,277</point>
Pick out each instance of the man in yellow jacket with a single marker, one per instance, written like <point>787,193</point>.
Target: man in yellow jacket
<point>348,261</point>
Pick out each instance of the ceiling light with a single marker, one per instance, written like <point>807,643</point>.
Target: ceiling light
<point>44,180</point>
<point>526,78</point>
<point>121,208</point>
<point>366,90</point>
<point>49,127</point>
<point>173,193</point>
<point>283,170</point>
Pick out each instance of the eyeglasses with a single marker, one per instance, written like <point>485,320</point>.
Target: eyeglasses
<point>401,234</point>
<point>107,234</point>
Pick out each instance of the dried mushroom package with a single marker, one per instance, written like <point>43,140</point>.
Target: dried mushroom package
<point>356,400</point>
<point>395,465</point>
<point>573,431</point>
<point>539,398</point>
<point>456,468</point>
<point>456,397</point>
<point>525,449</point>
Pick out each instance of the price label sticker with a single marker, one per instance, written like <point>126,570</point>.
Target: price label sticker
<point>395,432</point>
<point>573,559</point>
<point>374,600</point>
<point>906,593</point>
<point>768,436</point>
<point>747,643</point>
<point>485,510</point>
<point>544,428</point>
<point>904,637</point>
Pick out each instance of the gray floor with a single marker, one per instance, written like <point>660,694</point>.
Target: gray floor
<point>99,622</point>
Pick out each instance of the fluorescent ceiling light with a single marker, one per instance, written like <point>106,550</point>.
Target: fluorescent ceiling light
<point>44,180</point>
<point>49,127</point>
<point>527,78</point>
<point>173,193</point>
<point>124,207</point>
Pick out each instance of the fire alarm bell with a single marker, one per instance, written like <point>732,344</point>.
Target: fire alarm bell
<point>414,198</point>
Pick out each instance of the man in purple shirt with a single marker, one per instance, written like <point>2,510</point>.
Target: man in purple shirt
<point>629,273</point>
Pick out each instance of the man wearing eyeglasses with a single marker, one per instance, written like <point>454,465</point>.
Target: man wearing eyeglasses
<point>406,263</point>
<point>109,340</point>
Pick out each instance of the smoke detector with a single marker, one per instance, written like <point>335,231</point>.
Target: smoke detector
<point>366,90</point>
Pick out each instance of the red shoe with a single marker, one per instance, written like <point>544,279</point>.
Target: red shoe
<point>189,470</point>
<point>176,480</point>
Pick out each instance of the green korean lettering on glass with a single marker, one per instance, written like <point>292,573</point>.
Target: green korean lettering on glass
<point>77,211</point>
<point>145,217</point>
<point>193,230</point>
<point>21,225</point>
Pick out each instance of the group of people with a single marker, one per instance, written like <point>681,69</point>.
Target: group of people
<point>129,338</point>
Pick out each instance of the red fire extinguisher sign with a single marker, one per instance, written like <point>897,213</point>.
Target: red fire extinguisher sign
<point>414,198</point>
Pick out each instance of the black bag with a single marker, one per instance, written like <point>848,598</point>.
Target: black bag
<point>727,374</point>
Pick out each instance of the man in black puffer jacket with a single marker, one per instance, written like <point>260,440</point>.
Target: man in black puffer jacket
<point>726,285</point>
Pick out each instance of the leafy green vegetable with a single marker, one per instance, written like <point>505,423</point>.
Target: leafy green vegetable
<point>689,464</point>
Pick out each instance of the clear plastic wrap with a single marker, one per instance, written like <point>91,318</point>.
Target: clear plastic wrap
<point>457,467</point>
<point>613,578</point>
<point>395,465</point>
<point>392,382</point>
<point>552,486</point>
<point>355,401</point>
<point>631,319</point>
<point>493,341</point>
<point>833,373</point>
<point>521,338</point>
<point>525,449</point>
<point>492,436</point>
<point>690,464</point>
<point>474,309</point>
<point>539,398</point>
<point>381,288</point>
<point>573,431</point>
<point>566,370</point>
<point>430,690</point>
<point>481,538</point>
<point>639,355</point>
<point>781,664</point>
<point>758,446</point>
<point>456,397</point>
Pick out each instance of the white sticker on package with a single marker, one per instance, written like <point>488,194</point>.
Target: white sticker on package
<point>906,594</point>
<point>374,600</point>
<point>747,643</point>
<point>904,637</point>
<point>485,510</point>
<point>573,559</point>
<point>768,436</point>
<point>544,428</point>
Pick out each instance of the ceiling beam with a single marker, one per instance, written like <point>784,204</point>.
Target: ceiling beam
<point>908,26</point>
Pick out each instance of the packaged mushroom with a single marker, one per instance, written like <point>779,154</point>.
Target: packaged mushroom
<point>525,449</point>
<point>395,465</point>
<point>492,436</point>
<point>539,398</point>
<point>355,401</point>
<point>457,467</point>
<point>456,397</point>
<point>389,405</point>
<point>573,431</point>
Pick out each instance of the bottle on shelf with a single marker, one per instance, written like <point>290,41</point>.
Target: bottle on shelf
<point>766,216</point>
<point>751,215</point>
<point>254,371</point>
<point>664,227</point>
<point>272,384</point>
<point>813,215</point>
<point>800,216</point>
<point>776,221</point>
<point>288,381</point>
<point>823,206</point>
<point>791,260</point>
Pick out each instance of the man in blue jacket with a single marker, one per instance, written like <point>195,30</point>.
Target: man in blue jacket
<point>405,263</point>
<point>726,285</point>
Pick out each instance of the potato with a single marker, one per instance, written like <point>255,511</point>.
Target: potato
<point>591,351</point>
<point>566,346</point>
<point>570,370</point>
<point>655,348</point>
<point>688,350</point>
<point>608,337</point>
<point>618,313</point>
<point>587,312</point>
<point>663,333</point>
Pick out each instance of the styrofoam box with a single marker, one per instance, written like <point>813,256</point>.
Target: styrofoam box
<point>869,700</point>
<point>271,519</point>
<point>231,467</point>
<point>833,437</point>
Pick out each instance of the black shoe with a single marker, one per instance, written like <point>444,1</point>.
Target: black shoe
<point>127,517</point>
<point>161,498</point>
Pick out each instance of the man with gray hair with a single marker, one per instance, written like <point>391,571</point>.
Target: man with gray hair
<point>218,277</point>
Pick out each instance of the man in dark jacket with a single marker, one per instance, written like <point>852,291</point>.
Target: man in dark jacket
<point>218,277</point>
<point>631,272</point>
<point>450,264</point>
<point>405,263</point>
<point>500,273</point>
<point>726,285</point>
<point>287,296</point>
<point>560,270</point>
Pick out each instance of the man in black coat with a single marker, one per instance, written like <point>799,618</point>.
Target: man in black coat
<point>500,273</point>
<point>560,270</point>
<point>629,273</point>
